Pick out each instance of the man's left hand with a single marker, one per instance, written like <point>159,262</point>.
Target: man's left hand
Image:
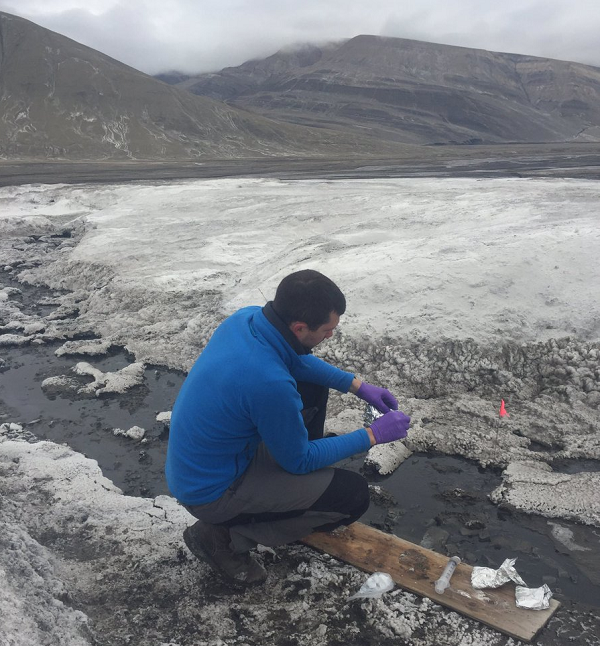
<point>381,398</point>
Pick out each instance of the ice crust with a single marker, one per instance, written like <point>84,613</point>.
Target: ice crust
<point>485,259</point>
<point>93,347</point>
<point>110,382</point>
<point>472,294</point>
<point>460,293</point>
<point>574,496</point>
<point>133,433</point>
<point>164,417</point>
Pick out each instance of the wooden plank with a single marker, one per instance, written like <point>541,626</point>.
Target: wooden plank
<point>416,569</point>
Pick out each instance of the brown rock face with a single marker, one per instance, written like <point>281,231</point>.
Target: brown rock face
<point>417,92</point>
<point>62,100</point>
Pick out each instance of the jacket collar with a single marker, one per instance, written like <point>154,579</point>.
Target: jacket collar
<point>278,323</point>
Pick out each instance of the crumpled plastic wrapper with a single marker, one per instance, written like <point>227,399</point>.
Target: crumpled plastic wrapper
<point>485,577</point>
<point>533,598</point>
<point>375,586</point>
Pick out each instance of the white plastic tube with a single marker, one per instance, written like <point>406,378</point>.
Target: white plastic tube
<point>444,581</point>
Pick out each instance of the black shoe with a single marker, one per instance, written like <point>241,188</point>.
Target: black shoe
<point>211,543</point>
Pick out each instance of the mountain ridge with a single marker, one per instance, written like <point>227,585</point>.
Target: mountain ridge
<point>418,92</point>
<point>62,100</point>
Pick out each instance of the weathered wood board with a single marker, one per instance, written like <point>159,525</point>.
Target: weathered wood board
<point>416,569</point>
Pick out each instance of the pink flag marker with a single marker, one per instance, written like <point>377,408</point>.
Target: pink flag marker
<point>503,412</point>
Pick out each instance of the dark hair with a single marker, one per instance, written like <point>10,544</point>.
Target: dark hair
<point>308,296</point>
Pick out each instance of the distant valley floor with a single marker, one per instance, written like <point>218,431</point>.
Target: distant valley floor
<point>581,161</point>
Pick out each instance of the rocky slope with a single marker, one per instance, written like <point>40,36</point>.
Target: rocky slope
<point>60,99</point>
<point>417,92</point>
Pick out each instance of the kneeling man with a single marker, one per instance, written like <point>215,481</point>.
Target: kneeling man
<point>246,451</point>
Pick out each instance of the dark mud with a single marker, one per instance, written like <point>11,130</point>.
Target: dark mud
<point>441,502</point>
<point>86,423</point>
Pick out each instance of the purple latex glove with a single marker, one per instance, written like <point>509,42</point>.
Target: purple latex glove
<point>390,427</point>
<point>381,398</point>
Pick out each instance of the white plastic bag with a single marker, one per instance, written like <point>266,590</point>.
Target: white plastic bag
<point>375,586</point>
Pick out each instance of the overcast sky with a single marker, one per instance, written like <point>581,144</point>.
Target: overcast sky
<point>207,35</point>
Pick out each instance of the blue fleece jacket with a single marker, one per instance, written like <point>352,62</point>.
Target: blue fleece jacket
<point>241,391</point>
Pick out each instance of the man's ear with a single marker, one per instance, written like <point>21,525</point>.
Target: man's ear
<point>298,328</point>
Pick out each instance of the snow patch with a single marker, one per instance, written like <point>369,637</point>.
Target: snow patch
<point>95,347</point>
<point>110,382</point>
<point>12,340</point>
<point>386,458</point>
<point>134,433</point>
<point>535,488</point>
<point>164,417</point>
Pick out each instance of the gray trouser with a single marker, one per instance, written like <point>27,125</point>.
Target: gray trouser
<point>277,501</point>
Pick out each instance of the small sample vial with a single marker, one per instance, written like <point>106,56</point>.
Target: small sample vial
<point>444,581</point>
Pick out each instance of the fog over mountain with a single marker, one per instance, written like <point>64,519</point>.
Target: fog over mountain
<point>207,36</point>
<point>60,99</point>
<point>415,92</point>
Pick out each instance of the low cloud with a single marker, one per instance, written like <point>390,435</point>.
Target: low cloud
<point>185,35</point>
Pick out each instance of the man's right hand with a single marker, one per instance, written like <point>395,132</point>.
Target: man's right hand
<point>390,427</point>
<point>380,398</point>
